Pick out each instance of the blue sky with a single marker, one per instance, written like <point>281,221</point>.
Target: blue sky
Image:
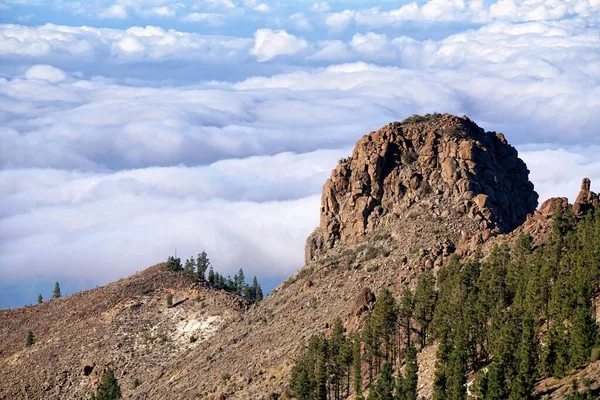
<point>134,128</point>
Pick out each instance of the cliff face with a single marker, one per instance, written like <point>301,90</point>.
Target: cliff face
<point>440,165</point>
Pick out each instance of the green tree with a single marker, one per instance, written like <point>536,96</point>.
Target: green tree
<point>56,293</point>
<point>189,268</point>
<point>440,380</point>
<point>241,282</point>
<point>109,388</point>
<point>30,339</point>
<point>259,293</point>
<point>411,374</point>
<point>384,387</point>
<point>424,304</point>
<point>496,382</point>
<point>405,315</point>
<point>173,264</point>
<point>384,320</point>
<point>357,367</point>
<point>522,387</point>
<point>40,299</point>
<point>170,300</point>
<point>202,263</point>
<point>583,336</point>
<point>211,276</point>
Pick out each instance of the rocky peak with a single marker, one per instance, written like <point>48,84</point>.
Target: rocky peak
<point>586,200</point>
<point>435,166</point>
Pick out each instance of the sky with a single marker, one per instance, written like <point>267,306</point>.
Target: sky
<point>134,129</point>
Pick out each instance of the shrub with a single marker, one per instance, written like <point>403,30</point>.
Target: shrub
<point>170,300</point>
<point>30,339</point>
<point>109,388</point>
<point>595,354</point>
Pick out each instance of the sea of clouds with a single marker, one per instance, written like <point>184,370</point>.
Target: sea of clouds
<point>162,126</point>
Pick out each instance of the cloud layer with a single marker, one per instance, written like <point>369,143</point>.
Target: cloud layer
<point>119,146</point>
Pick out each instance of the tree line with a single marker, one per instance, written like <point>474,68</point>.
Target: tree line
<point>201,268</point>
<point>517,316</point>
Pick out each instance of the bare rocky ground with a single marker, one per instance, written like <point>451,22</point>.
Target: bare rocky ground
<point>411,195</point>
<point>125,325</point>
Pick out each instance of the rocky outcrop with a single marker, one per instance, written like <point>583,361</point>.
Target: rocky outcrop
<point>586,200</point>
<point>440,166</point>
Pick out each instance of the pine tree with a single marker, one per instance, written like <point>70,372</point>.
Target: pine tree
<point>254,289</point>
<point>40,299</point>
<point>202,263</point>
<point>241,282</point>
<point>259,294</point>
<point>174,264</point>
<point>384,387</point>
<point>56,293</point>
<point>583,336</point>
<point>411,374</point>
<point>424,304</point>
<point>30,339</point>
<point>189,267</point>
<point>523,385</point>
<point>109,388</point>
<point>336,342</point>
<point>321,370</point>
<point>457,382</point>
<point>496,382</point>
<point>357,367</point>
<point>405,314</point>
<point>384,322</point>
<point>211,276</point>
<point>440,380</point>
<point>347,360</point>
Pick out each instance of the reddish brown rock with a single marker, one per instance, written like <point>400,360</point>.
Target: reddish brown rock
<point>549,206</point>
<point>433,165</point>
<point>586,200</point>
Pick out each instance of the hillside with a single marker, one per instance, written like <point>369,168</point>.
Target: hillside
<point>125,325</point>
<point>410,197</point>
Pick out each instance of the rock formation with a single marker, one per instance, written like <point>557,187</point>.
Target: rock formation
<point>586,200</point>
<point>446,162</point>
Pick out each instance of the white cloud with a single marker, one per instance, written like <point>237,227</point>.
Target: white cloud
<point>251,212</point>
<point>115,11</point>
<point>473,11</point>
<point>320,7</point>
<point>46,73</point>
<point>300,21</point>
<point>263,7</point>
<point>164,11</point>
<point>272,43</point>
<point>150,42</point>
<point>211,19</point>
<point>127,152</point>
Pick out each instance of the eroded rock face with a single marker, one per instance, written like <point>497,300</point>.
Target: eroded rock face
<point>586,200</point>
<point>446,162</point>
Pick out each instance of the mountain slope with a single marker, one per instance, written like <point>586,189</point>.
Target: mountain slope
<point>125,325</point>
<point>411,195</point>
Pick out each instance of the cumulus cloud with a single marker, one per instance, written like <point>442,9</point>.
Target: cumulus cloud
<point>114,11</point>
<point>149,42</point>
<point>164,11</point>
<point>46,73</point>
<point>272,43</point>
<point>473,11</point>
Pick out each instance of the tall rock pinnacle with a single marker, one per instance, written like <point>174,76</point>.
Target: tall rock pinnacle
<point>586,200</point>
<point>438,167</point>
